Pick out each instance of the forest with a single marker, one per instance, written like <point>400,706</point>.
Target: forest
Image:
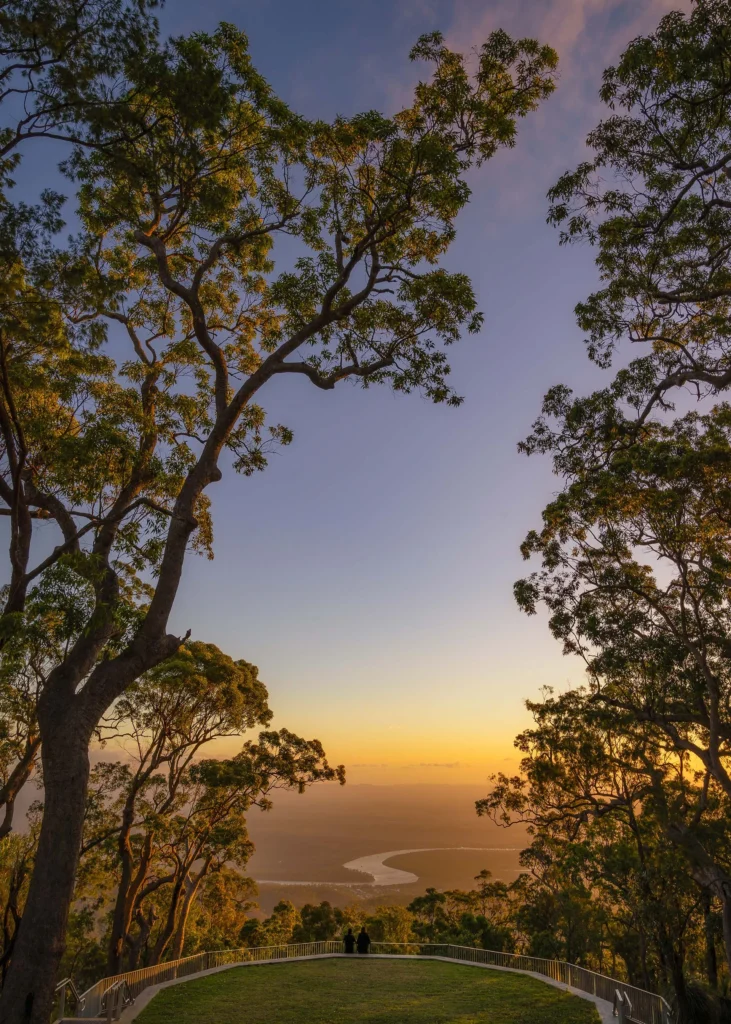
<point>144,321</point>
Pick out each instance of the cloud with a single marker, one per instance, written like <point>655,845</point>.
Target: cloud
<point>370,766</point>
<point>437,764</point>
<point>589,35</point>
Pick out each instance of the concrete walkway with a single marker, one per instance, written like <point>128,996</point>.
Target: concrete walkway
<point>604,1008</point>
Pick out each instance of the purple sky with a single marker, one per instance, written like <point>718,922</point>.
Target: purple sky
<point>369,571</point>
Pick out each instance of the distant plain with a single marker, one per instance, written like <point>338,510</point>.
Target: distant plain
<point>309,837</point>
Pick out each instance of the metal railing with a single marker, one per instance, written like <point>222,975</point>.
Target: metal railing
<point>60,992</point>
<point>646,1007</point>
<point>622,1008</point>
<point>94,999</point>
<point>116,999</point>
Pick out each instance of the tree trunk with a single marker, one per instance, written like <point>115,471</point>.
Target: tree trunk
<point>642,938</point>
<point>673,959</point>
<point>681,990</point>
<point>711,959</point>
<point>136,945</point>
<point>192,885</point>
<point>126,902</point>
<point>122,917</point>
<point>27,996</point>
<point>166,932</point>
<point>709,875</point>
<point>12,914</point>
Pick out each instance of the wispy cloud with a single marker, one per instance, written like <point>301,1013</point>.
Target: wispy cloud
<point>589,35</point>
<point>438,764</point>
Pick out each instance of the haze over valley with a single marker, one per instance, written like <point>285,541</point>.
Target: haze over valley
<point>308,839</point>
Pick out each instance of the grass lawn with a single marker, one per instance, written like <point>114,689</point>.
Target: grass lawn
<point>372,991</point>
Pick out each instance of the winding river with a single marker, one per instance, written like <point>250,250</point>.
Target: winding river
<point>381,874</point>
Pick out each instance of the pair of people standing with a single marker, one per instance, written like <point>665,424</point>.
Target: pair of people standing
<point>362,943</point>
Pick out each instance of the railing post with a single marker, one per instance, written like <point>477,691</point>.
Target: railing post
<point>62,1002</point>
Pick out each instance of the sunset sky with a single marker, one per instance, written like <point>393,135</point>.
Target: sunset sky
<point>369,571</point>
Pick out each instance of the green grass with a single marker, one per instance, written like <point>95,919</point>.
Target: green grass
<point>366,991</point>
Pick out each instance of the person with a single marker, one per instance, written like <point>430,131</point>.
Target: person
<point>349,941</point>
<point>363,941</point>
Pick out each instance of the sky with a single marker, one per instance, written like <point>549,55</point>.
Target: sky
<point>368,571</point>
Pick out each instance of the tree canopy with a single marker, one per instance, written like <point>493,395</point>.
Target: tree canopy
<point>134,360</point>
<point>634,549</point>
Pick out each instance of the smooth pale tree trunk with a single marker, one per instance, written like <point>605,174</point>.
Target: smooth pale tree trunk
<point>192,885</point>
<point>28,992</point>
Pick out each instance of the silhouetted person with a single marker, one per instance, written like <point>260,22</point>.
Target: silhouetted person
<point>349,941</point>
<point>363,941</point>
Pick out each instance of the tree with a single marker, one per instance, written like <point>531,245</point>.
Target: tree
<point>221,911</point>
<point>276,930</point>
<point>602,795</point>
<point>189,823</point>
<point>60,58</point>
<point>16,859</point>
<point>197,695</point>
<point>427,908</point>
<point>634,549</point>
<point>178,223</point>
<point>635,574</point>
<point>490,897</point>
<point>656,201</point>
<point>390,924</point>
<point>318,922</point>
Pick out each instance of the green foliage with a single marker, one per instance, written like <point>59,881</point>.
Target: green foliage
<point>276,930</point>
<point>481,917</point>
<point>655,202</point>
<point>626,782</point>
<point>318,923</point>
<point>390,924</point>
<point>196,694</point>
<point>16,865</point>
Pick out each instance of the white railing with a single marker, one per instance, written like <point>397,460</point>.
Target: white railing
<point>95,998</point>
<point>622,1007</point>
<point>646,1007</point>
<point>60,992</point>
